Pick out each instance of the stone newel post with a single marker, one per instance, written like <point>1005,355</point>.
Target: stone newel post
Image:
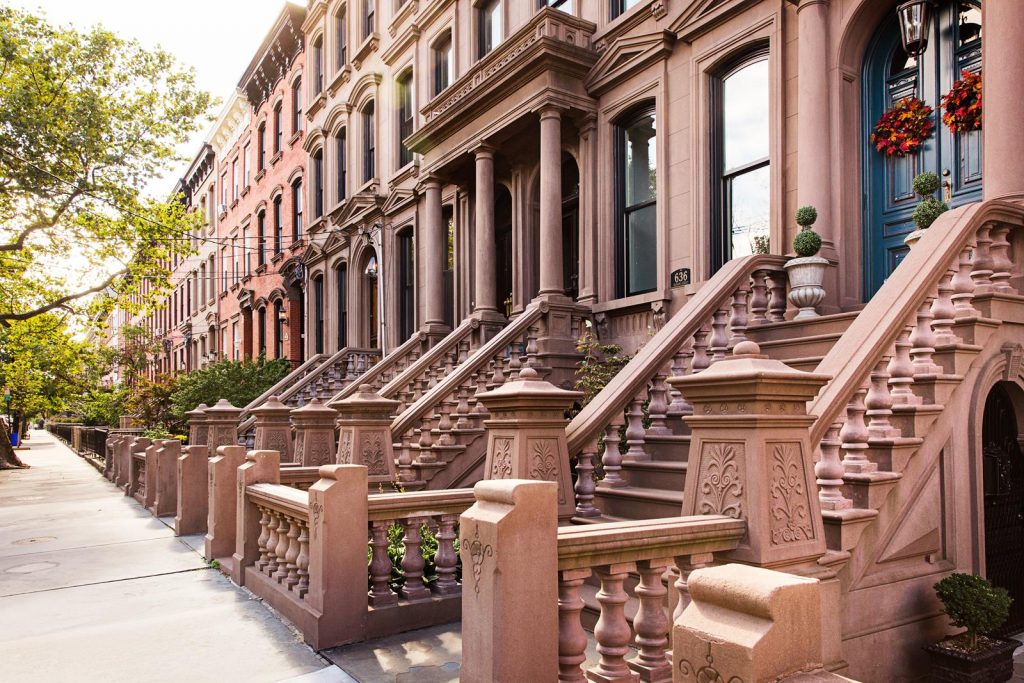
<point>221,508</point>
<point>166,500</point>
<point>314,434</point>
<point>197,431</point>
<point>364,423</point>
<point>750,456</point>
<point>274,429</point>
<point>222,425</point>
<point>526,434</point>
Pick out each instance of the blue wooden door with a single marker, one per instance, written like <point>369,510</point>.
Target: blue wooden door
<point>890,75</point>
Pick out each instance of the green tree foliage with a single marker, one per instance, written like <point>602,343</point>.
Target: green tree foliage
<point>240,382</point>
<point>101,406</point>
<point>973,603</point>
<point>87,120</point>
<point>599,364</point>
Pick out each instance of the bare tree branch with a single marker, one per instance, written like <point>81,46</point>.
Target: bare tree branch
<point>63,301</point>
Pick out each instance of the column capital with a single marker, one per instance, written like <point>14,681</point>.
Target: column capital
<point>550,110</point>
<point>804,4</point>
<point>483,150</point>
<point>428,182</point>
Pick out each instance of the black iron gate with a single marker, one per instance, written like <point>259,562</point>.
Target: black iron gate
<point>1004,502</point>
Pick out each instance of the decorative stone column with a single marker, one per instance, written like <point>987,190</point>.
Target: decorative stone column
<point>274,429</point>
<point>364,437</point>
<point>485,292</point>
<point>221,502</point>
<point>526,434</point>
<point>166,465</point>
<point>260,467</point>
<point>551,276</point>
<point>314,433</point>
<point>197,426</point>
<point>433,260</point>
<point>1003,66</point>
<point>751,458</point>
<point>222,425</point>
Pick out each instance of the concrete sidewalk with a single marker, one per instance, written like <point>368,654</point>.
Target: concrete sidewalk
<point>94,588</point>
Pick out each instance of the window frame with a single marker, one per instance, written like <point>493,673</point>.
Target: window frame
<point>317,159</point>
<point>297,210</point>
<point>622,211</point>
<point>445,65</point>
<point>278,113</point>
<point>369,114</point>
<point>318,314</point>
<point>297,105</point>
<point>341,284</point>
<point>341,150</point>
<point>405,112</point>
<point>341,38</point>
<point>369,18</point>
<point>484,47</point>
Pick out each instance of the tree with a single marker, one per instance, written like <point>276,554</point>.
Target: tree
<point>87,121</point>
<point>240,382</point>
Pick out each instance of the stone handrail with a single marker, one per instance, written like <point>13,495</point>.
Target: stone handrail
<point>299,477</point>
<point>379,375</point>
<point>284,536</point>
<point>384,506</point>
<point>287,381</point>
<point>964,253</point>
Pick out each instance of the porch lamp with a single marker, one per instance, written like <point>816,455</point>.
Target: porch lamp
<point>915,25</point>
<point>371,268</point>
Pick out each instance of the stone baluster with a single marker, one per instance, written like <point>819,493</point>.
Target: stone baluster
<point>829,472</point>
<point>943,311</point>
<point>719,341</point>
<point>446,558</point>
<point>635,431</point>
<point>361,364</point>
<point>302,561</point>
<point>291,555</point>
<point>1002,264</point>
<point>350,367</point>
<point>480,410</point>
<point>679,406</point>
<point>854,437</point>
<point>444,426</point>
<point>426,454</point>
<point>700,349</point>
<point>380,566</point>
<point>281,551</point>
<point>531,347</point>
<point>612,458</point>
<point>758,298</point>
<point>901,372</point>
<point>270,568</point>
<point>657,409</point>
<point>514,363</point>
<point>405,472</point>
<point>412,562</point>
<point>879,403</point>
<point>685,565</point>
<point>463,351</point>
<point>738,318</point>
<point>981,272</point>
<point>963,286</point>
<point>263,539</point>
<point>923,341</point>
<point>777,300</point>
<point>612,631</point>
<point>585,485</point>
<point>572,638</point>
<point>462,410</point>
<point>498,377</point>
<point>651,623</point>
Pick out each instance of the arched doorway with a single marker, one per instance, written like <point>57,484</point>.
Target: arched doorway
<point>890,75</point>
<point>570,226</point>
<point>1003,474</point>
<point>503,244</point>
<point>371,274</point>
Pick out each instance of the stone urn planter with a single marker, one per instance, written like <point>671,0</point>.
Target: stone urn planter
<point>950,664</point>
<point>806,271</point>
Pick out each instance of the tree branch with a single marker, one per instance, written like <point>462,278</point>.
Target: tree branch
<point>62,301</point>
<point>42,224</point>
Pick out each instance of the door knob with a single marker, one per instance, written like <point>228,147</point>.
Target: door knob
<point>947,186</point>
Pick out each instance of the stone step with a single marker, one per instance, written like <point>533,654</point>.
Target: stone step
<point>956,359</point>
<point>833,324</point>
<point>800,348</point>
<point>936,389</point>
<point>632,502</point>
<point>869,490</point>
<point>668,447</point>
<point>654,474</point>
<point>843,528</point>
<point>914,421</point>
<point>892,455</point>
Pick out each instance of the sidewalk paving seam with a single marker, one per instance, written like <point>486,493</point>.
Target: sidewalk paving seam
<point>101,545</point>
<point>100,583</point>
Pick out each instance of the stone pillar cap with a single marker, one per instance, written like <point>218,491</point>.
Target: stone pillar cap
<point>313,409</point>
<point>529,391</point>
<point>270,406</point>
<point>365,400</point>
<point>222,407</point>
<point>198,412</point>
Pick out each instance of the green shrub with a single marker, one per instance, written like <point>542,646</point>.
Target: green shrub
<point>926,184</point>
<point>806,216</point>
<point>927,211</point>
<point>806,243</point>
<point>973,603</point>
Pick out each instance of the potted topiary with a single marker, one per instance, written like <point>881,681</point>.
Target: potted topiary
<point>973,603</point>
<point>807,271</point>
<point>929,208</point>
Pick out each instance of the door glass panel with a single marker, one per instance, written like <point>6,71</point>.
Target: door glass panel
<point>968,23</point>
<point>641,234</point>
<point>750,206</point>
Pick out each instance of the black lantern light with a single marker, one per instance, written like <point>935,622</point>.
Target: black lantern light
<point>915,25</point>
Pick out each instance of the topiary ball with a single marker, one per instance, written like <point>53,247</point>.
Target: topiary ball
<point>926,184</point>
<point>927,211</point>
<point>806,243</point>
<point>806,215</point>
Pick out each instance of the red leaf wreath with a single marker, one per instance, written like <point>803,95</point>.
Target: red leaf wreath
<point>902,129</point>
<point>962,104</point>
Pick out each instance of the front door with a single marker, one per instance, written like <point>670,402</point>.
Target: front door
<point>889,76</point>
<point>1003,468</point>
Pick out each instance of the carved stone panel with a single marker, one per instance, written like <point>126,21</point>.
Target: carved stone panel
<point>789,505</point>
<point>501,467</point>
<point>720,482</point>
<point>373,453</point>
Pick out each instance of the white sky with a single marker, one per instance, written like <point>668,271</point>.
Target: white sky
<point>216,37</point>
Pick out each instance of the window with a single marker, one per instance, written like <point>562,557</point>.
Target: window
<point>234,179</point>
<point>297,105</point>
<point>406,285</point>
<point>234,261</point>
<point>236,339</point>
<point>278,329</point>
<point>244,255</point>
<point>247,164</point>
<point>368,17</point>
<point>489,25</point>
<point>318,65</point>
<point>202,283</point>
<point>636,189</point>
<point>318,315</point>
<point>405,118</point>
<point>261,147</point>
<point>369,144</point>
<point>297,210</point>
<point>278,129</point>
<point>342,287</point>
<point>622,6</point>
<point>261,238</point>
<point>340,39</point>
<point>564,5</point>
<point>318,183</point>
<point>223,191</point>
<point>224,264</point>
<point>342,151</point>
<point>443,63</point>
<point>741,160</point>
<point>278,226</point>
<point>261,324</point>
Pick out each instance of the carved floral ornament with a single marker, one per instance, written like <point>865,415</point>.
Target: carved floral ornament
<point>789,518</point>
<point>373,453</point>
<point>501,467</point>
<point>706,673</point>
<point>478,552</point>
<point>721,484</point>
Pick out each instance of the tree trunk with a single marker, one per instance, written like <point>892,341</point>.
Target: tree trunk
<point>8,458</point>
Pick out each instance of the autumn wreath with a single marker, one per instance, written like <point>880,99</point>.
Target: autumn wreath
<point>902,129</point>
<point>962,104</point>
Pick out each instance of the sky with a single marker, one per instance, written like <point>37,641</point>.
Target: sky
<point>216,37</point>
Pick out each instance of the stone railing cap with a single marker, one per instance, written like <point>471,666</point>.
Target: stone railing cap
<point>748,363</point>
<point>314,409</point>
<point>222,407</point>
<point>529,391</point>
<point>271,406</point>
<point>198,412</point>
<point>365,400</point>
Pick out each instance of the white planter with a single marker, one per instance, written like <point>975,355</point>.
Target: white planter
<point>805,291</point>
<point>913,238</point>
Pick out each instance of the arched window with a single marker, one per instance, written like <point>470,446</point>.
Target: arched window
<point>406,285</point>
<point>278,226</point>
<point>261,238</point>
<point>342,292</point>
<point>405,117</point>
<point>261,147</point>
<point>279,329</point>
<point>340,39</point>
<point>278,129</point>
<point>318,183</point>
<point>444,64</point>
<point>341,152</point>
<point>261,324</point>
<point>297,210</point>
<point>318,65</point>
<point>369,144</point>
<point>636,153</point>
<point>318,314</point>
<point>741,159</point>
<point>297,105</point>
